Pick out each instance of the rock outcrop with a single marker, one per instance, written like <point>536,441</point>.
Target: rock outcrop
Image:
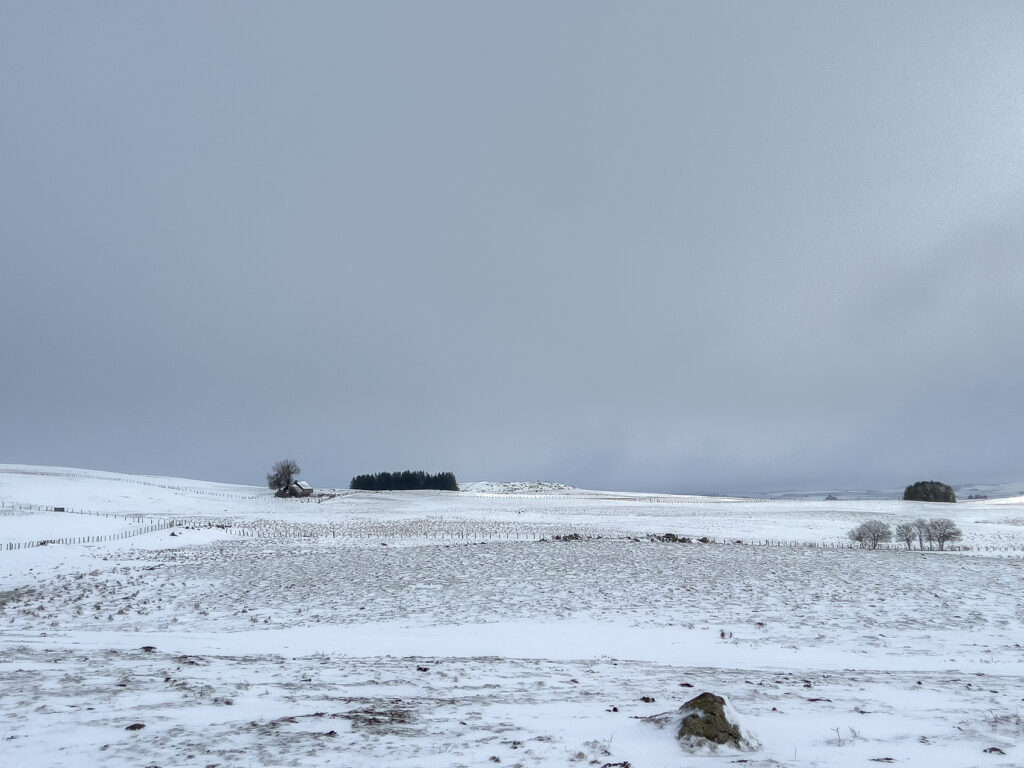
<point>707,722</point>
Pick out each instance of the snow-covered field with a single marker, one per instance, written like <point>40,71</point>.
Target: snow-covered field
<point>477,628</point>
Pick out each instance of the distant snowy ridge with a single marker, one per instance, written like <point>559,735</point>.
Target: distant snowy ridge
<point>93,490</point>
<point>963,492</point>
<point>537,486</point>
<point>159,481</point>
<point>1006,493</point>
<point>992,490</point>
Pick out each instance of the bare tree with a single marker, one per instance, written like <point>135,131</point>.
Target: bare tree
<point>871,533</point>
<point>944,530</point>
<point>906,532</point>
<point>282,474</point>
<point>924,532</point>
<point>878,533</point>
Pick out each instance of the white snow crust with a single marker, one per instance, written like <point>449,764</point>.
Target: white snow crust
<point>455,629</point>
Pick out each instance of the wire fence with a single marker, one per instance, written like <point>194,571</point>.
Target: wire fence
<point>161,526</point>
<point>386,533</point>
<point>192,491</point>
<point>422,530</point>
<point>143,525</point>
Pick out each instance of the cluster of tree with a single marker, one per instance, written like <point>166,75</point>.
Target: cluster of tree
<point>405,481</point>
<point>937,533</point>
<point>282,474</point>
<point>929,490</point>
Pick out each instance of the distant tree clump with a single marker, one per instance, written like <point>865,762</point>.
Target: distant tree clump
<point>871,533</point>
<point>929,490</point>
<point>282,474</point>
<point>405,481</point>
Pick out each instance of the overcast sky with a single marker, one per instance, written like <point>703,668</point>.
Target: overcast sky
<point>650,246</point>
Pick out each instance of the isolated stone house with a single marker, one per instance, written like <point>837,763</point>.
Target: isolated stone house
<point>300,488</point>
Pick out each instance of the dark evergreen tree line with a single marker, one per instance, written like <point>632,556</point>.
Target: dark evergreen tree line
<point>405,481</point>
<point>929,490</point>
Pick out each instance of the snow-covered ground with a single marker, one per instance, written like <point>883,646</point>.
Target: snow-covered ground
<point>517,624</point>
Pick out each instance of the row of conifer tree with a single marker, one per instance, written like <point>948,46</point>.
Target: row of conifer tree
<point>405,481</point>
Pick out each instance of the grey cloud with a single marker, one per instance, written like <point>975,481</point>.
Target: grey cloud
<point>700,246</point>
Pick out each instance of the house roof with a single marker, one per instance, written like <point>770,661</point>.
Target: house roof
<point>304,485</point>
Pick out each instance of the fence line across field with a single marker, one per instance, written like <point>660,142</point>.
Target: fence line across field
<point>156,524</point>
<point>130,481</point>
<point>300,531</point>
<point>490,535</point>
<point>152,528</point>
